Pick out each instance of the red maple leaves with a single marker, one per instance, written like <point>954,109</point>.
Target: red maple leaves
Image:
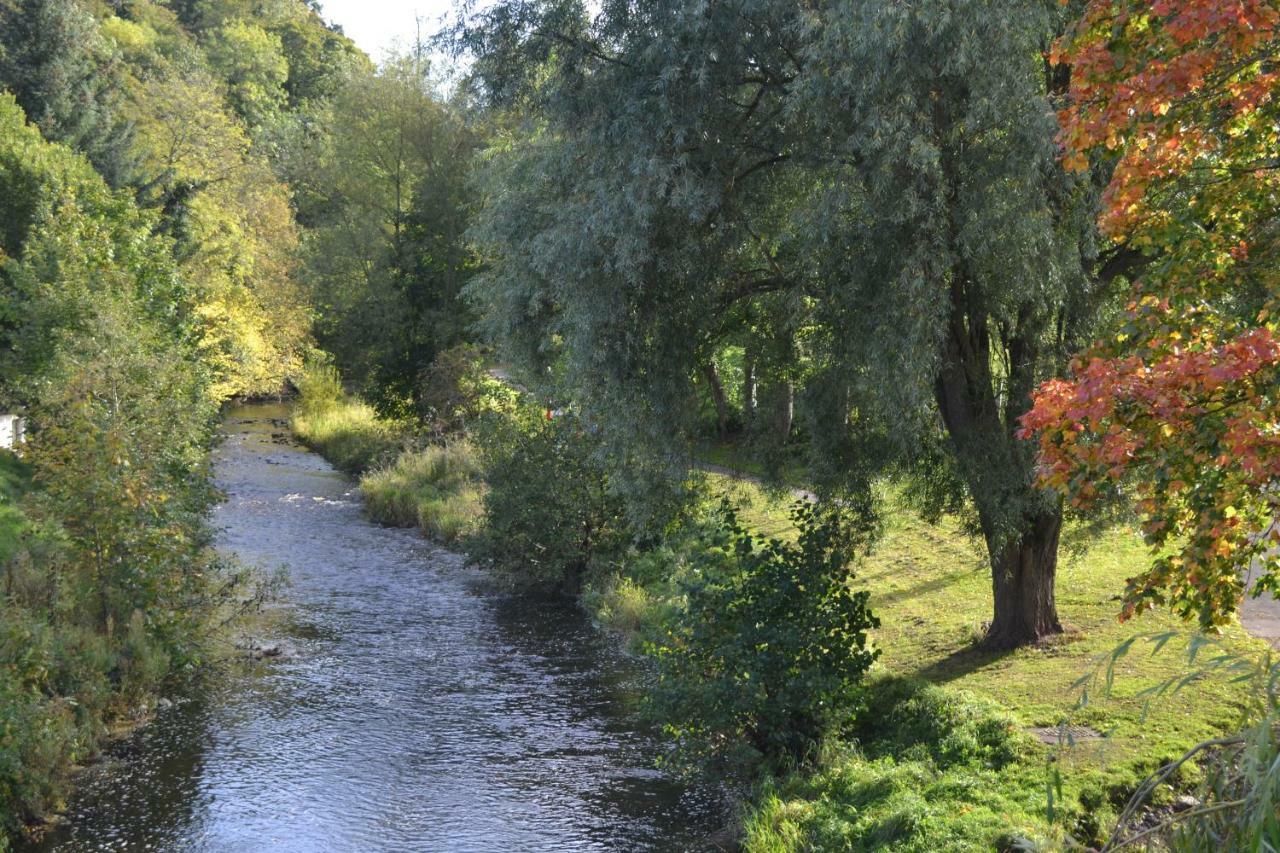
<point>1179,408</point>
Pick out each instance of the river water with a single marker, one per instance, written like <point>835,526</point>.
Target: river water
<point>419,711</point>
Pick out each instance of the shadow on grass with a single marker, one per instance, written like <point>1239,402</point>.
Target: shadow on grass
<point>960,663</point>
<point>890,599</point>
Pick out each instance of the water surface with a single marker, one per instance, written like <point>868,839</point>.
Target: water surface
<point>420,712</point>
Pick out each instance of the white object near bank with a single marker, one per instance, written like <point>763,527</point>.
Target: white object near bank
<point>13,431</point>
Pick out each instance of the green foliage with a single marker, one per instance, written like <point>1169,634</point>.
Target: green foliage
<point>771,644</point>
<point>251,61</point>
<point>930,769</point>
<point>1236,776</point>
<point>319,388</point>
<point>908,718</point>
<point>864,196</point>
<point>67,79</point>
<point>109,585</point>
<point>549,511</point>
<point>900,806</point>
<point>385,192</point>
<point>457,390</point>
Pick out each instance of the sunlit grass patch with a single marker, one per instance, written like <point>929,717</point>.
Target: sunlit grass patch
<point>350,434</point>
<point>931,588</point>
<point>436,489</point>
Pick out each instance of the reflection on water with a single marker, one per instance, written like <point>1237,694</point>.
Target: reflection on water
<point>419,712</point>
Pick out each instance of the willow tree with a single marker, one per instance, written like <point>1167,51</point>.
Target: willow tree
<point>878,179</point>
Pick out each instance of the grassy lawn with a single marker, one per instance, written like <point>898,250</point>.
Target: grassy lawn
<point>930,587</point>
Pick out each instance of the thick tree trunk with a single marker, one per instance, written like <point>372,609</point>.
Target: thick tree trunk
<point>1021,525</point>
<point>1023,571</point>
<point>718,397</point>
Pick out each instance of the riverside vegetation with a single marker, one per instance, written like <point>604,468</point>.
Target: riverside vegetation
<point>149,270</point>
<point>994,283</point>
<point>933,748</point>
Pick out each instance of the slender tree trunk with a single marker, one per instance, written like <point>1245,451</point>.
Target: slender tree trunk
<point>748,391</point>
<point>784,412</point>
<point>717,396</point>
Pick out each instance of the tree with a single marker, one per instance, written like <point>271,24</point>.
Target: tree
<point>251,61</point>
<point>874,183</point>
<point>389,255</point>
<point>1176,410</point>
<point>66,78</point>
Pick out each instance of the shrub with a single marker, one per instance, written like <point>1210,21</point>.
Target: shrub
<point>549,510</point>
<point>767,654</point>
<point>319,388</point>
<point>913,719</point>
<point>456,389</point>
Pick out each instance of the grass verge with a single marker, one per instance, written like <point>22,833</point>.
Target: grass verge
<point>437,489</point>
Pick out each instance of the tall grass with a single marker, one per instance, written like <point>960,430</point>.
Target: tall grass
<point>437,489</point>
<point>346,431</point>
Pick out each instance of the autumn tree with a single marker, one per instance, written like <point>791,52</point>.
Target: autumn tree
<point>1176,409</point>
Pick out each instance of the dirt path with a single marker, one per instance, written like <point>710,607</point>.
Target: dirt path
<point>711,468</point>
<point>1261,616</point>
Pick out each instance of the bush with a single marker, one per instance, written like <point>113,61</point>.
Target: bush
<point>437,489</point>
<point>319,388</point>
<point>549,510</point>
<point>455,390</point>
<point>913,719</point>
<point>767,654</point>
<point>930,769</point>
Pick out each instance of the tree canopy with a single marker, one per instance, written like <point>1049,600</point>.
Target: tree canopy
<point>867,191</point>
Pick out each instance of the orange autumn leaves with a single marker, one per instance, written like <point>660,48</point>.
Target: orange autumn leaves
<point>1177,409</point>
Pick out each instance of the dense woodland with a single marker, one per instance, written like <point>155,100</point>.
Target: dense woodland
<point>997,276</point>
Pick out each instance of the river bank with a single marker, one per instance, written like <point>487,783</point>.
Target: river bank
<point>929,585</point>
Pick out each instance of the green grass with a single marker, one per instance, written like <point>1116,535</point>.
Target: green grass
<point>437,489</point>
<point>930,586</point>
<point>349,433</point>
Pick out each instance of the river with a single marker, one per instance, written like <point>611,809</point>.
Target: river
<point>418,709</point>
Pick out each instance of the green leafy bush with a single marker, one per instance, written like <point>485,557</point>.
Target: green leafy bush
<point>768,652</point>
<point>549,511</point>
<point>456,390</point>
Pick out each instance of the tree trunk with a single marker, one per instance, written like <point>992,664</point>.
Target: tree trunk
<point>1020,524</point>
<point>1023,571</point>
<point>717,396</point>
<point>784,410</point>
<point>748,391</point>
